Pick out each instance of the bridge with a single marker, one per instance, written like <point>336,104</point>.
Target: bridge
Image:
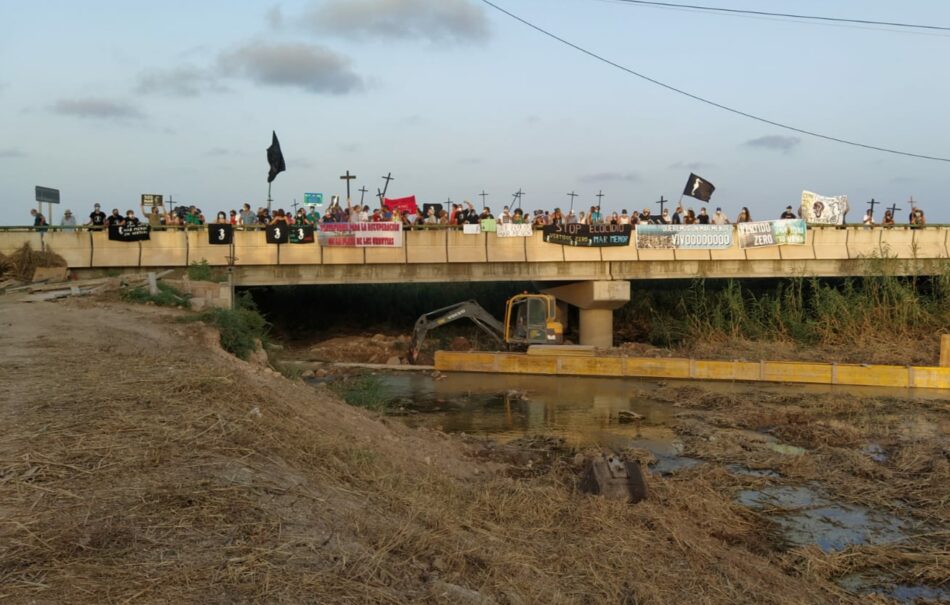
<point>597,279</point>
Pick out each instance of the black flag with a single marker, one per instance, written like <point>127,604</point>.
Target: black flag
<point>278,233</point>
<point>275,158</point>
<point>698,188</point>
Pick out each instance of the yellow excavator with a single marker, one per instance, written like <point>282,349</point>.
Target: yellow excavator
<point>529,319</point>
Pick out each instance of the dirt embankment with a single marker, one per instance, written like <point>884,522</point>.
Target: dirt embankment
<point>140,463</point>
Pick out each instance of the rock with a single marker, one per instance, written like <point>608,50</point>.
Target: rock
<point>460,343</point>
<point>393,361</point>
<point>614,478</point>
<point>626,417</point>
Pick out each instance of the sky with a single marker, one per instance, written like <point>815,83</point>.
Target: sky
<point>107,100</point>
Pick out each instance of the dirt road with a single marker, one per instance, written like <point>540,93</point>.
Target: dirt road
<point>138,462</point>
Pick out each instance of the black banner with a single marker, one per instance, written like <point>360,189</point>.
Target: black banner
<point>220,234</point>
<point>278,234</point>
<point>588,236</point>
<point>301,234</point>
<point>129,233</point>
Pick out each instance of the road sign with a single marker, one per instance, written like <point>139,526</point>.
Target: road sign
<point>313,198</point>
<point>47,195</point>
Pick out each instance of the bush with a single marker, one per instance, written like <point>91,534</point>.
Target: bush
<point>201,271</point>
<point>167,296</point>
<point>241,328</point>
<point>365,391</point>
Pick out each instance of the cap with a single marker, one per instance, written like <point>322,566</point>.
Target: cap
<point>788,207</point>
<point>96,205</point>
<point>68,212</point>
<point>718,209</point>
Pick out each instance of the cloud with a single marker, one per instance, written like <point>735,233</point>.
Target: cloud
<point>11,152</point>
<point>184,81</point>
<point>775,142</point>
<point>600,177</point>
<point>431,20</point>
<point>309,67</point>
<point>691,166</point>
<point>101,109</point>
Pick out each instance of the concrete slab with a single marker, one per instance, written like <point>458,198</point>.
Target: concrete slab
<point>897,242</point>
<point>506,249</point>
<point>251,248</point>
<point>830,242</point>
<point>106,253</point>
<point>386,256</point>
<point>692,254</point>
<point>166,249</point>
<point>74,245</point>
<point>466,248</point>
<point>10,241</point>
<point>620,253</point>
<point>200,250</point>
<point>930,243</point>
<point>427,246</point>
<point>343,256</point>
<point>766,253</point>
<point>864,242</point>
<point>539,251</point>
<point>299,254</point>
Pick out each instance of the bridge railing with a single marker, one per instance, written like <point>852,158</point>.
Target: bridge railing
<point>175,247</point>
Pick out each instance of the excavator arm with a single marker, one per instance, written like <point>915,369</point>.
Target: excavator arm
<point>470,309</point>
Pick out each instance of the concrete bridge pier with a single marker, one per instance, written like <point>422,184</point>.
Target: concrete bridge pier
<point>597,301</point>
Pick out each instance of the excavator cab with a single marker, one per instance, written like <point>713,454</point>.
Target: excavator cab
<point>532,319</point>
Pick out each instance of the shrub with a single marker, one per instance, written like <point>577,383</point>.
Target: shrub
<point>167,296</point>
<point>241,328</point>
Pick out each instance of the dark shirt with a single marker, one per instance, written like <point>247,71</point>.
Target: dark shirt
<point>39,222</point>
<point>113,219</point>
<point>788,214</point>
<point>703,219</point>
<point>676,218</point>
<point>97,218</point>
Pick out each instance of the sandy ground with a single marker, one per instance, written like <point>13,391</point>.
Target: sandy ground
<point>140,463</point>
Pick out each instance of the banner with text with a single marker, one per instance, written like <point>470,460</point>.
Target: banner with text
<point>301,234</point>
<point>790,232</point>
<point>361,235</point>
<point>588,236</point>
<point>471,228</point>
<point>823,210</point>
<point>130,233</point>
<point>684,237</point>
<point>221,235</point>
<point>512,230</point>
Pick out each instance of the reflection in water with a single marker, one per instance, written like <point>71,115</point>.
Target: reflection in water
<point>582,411</point>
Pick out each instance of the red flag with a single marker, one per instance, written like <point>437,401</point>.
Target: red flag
<point>406,205</point>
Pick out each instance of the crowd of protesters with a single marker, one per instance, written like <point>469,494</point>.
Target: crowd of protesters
<point>430,215</point>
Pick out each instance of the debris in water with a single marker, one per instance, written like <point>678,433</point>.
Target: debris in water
<point>612,477</point>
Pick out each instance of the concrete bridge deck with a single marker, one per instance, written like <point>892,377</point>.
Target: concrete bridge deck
<point>442,255</point>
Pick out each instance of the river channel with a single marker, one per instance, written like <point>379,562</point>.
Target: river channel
<point>621,414</point>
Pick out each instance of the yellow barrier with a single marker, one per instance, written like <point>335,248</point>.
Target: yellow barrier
<point>656,367</point>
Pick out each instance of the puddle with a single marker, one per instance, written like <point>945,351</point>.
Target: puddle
<point>902,593</point>
<point>809,518</point>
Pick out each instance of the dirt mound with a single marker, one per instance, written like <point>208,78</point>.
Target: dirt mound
<point>360,349</point>
<point>143,466</point>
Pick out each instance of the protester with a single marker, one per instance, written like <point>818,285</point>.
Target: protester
<point>678,215</point>
<point>114,219</point>
<point>556,217</point>
<point>130,218</point>
<point>68,220</point>
<point>221,219</point>
<point>788,214</point>
<point>888,220</point>
<point>39,221</point>
<point>171,220</point>
<point>719,218</point>
<point>665,217</point>
<point>505,217</point>
<point>744,216</point>
<point>690,218</point>
<point>917,219</point>
<point>97,218</point>
<point>517,217</point>
<point>594,217</point>
<point>624,217</point>
<point>280,218</point>
<point>868,219</point>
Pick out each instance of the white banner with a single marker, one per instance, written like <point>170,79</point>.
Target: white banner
<point>512,230</point>
<point>469,229</point>
<point>361,235</point>
<point>823,210</point>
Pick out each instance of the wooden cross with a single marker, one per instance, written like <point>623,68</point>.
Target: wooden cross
<point>347,177</point>
<point>872,204</point>
<point>662,202</point>
<point>379,194</point>
<point>483,195</point>
<point>362,191</point>
<point>448,201</point>
<point>572,195</point>
<point>517,197</point>
<point>599,196</point>
<point>388,177</point>
<point>294,205</point>
<point>894,210</point>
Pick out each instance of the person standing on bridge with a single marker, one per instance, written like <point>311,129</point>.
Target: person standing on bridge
<point>97,218</point>
<point>39,221</point>
<point>68,221</point>
<point>744,216</point>
<point>788,214</point>
<point>888,220</point>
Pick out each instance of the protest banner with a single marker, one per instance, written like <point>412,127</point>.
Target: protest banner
<point>759,234</point>
<point>513,230</point>
<point>360,235</point>
<point>684,237</point>
<point>220,234</point>
<point>824,210</point>
<point>471,229</point>
<point>277,234</point>
<point>301,234</point>
<point>488,225</point>
<point>130,233</point>
<point>588,236</point>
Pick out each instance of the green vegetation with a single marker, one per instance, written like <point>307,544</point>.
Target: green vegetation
<point>806,311</point>
<point>241,328</point>
<point>168,296</point>
<point>202,271</point>
<point>365,391</point>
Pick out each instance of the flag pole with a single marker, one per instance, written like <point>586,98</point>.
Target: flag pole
<point>269,200</point>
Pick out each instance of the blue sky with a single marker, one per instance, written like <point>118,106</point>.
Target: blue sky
<point>107,100</point>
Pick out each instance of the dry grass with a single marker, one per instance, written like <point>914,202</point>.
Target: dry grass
<point>170,473</point>
<point>23,262</point>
